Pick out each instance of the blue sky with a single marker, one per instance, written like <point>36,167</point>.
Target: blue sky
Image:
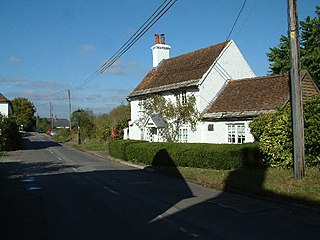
<point>48,46</point>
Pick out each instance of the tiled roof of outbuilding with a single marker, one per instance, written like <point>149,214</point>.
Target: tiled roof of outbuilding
<point>245,97</point>
<point>181,70</point>
<point>3,98</point>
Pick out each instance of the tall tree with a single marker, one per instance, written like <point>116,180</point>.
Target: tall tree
<point>279,56</point>
<point>23,113</point>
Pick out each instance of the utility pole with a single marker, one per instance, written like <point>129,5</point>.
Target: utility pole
<point>296,92</point>
<point>51,115</point>
<point>69,109</point>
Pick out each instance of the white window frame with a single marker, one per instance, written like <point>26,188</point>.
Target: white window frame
<point>183,97</point>
<point>236,133</point>
<point>183,135</point>
<point>141,103</point>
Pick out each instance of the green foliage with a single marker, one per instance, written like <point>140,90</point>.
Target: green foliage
<point>63,135</point>
<point>42,123</point>
<point>23,113</point>
<point>104,127</point>
<point>279,57</point>
<point>276,140</point>
<point>276,136</point>
<point>258,125</point>
<point>312,131</point>
<point>117,148</point>
<point>214,156</point>
<point>176,114</point>
<point>117,119</point>
<point>85,119</point>
<point>9,134</point>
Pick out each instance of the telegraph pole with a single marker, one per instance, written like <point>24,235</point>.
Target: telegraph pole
<point>69,109</point>
<point>51,115</point>
<point>296,92</point>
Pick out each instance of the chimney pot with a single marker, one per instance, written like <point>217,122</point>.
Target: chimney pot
<point>162,39</point>
<point>157,38</point>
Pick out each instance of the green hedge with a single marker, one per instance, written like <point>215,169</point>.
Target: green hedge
<point>199,155</point>
<point>9,134</point>
<point>117,148</point>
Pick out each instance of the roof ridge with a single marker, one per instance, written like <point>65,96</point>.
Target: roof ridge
<point>198,50</point>
<point>258,77</point>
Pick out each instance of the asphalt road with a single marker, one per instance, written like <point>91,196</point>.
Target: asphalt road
<point>49,191</point>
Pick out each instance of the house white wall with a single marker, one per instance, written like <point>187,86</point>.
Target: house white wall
<point>229,65</point>
<point>5,109</point>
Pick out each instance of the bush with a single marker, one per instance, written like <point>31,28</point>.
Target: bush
<point>117,148</point>
<point>215,156</point>
<point>276,137</point>
<point>9,134</point>
<point>63,135</point>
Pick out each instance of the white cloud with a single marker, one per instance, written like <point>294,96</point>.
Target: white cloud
<point>87,49</point>
<point>116,68</point>
<point>15,60</point>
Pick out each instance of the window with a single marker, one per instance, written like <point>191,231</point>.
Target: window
<point>141,103</point>
<point>141,134</point>
<point>183,97</point>
<point>236,133</point>
<point>183,135</point>
<point>210,127</point>
<point>231,133</point>
<point>241,133</point>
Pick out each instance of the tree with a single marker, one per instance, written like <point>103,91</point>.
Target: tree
<point>116,119</point>
<point>23,113</point>
<point>42,123</point>
<point>176,114</point>
<point>85,119</point>
<point>279,57</point>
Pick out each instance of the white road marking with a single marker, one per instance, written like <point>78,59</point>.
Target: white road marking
<point>110,190</point>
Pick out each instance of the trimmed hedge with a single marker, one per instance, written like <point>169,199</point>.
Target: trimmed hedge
<point>117,148</point>
<point>199,155</point>
<point>9,134</point>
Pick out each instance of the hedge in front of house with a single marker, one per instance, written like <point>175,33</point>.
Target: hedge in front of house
<point>117,148</point>
<point>199,155</point>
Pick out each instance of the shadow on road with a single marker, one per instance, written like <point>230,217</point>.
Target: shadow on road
<point>135,204</point>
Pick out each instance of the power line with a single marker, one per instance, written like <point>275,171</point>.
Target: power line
<point>235,22</point>
<point>160,11</point>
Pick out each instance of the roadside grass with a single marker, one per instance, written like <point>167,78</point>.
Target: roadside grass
<point>277,184</point>
<point>1,154</point>
<point>92,145</point>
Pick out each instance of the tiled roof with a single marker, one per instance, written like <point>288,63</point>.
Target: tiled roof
<point>181,70</point>
<point>252,96</point>
<point>3,98</point>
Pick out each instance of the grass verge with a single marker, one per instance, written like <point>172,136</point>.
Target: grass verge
<point>92,145</point>
<point>277,184</point>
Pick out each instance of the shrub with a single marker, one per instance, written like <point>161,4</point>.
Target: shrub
<point>199,155</point>
<point>63,135</point>
<point>117,148</point>
<point>258,125</point>
<point>9,134</point>
<point>276,139</point>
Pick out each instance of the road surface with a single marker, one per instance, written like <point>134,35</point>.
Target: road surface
<point>49,191</point>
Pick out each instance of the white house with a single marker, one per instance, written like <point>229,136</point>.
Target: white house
<point>5,106</point>
<point>228,94</point>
